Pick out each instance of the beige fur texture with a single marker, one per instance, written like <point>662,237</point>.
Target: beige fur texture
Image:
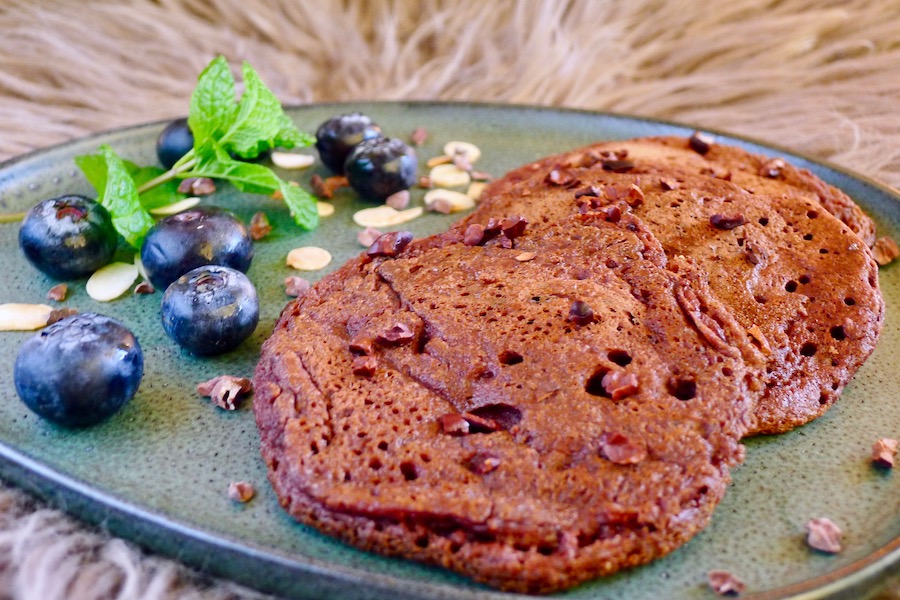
<point>818,76</point>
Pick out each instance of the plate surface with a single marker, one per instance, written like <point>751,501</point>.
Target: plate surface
<point>157,472</point>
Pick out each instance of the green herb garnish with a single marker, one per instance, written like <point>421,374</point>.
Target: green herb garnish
<point>226,131</point>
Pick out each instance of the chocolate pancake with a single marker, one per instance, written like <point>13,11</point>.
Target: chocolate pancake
<point>798,278</point>
<point>531,410</point>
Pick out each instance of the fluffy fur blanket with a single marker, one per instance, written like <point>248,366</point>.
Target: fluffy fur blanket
<point>818,76</point>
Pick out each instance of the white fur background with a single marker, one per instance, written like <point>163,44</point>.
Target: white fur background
<point>818,76</point>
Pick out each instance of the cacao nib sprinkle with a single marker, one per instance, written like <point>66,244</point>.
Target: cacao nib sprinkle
<point>754,254</point>
<point>58,292</point>
<point>226,390</point>
<point>295,286</point>
<point>325,188</point>
<point>241,491</point>
<point>884,452</point>
<point>400,333</point>
<point>772,168</point>
<point>454,424</point>
<point>197,186</point>
<point>613,214</point>
<point>144,287</point>
<point>513,227</point>
<point>619,384</point>
<point>561,177</point>
<point>482,463</point>
<point>726,222</point>
<point>700,142</point>
<point>824,535</point>
<point>362,345</point>
<point>364,366</point>
<point>580,313</point>
<point>259,226</point>
<point>418,136</point>
<point>618,166</point>
<point>474,234</point>
<point>617,448</point>
<point>479,424</point>
<point>367,236</point>
<point>635,196</point>
<point>592,191</point>
<point>390,244</point>
<point>725,584</point>
<point>668,184</point>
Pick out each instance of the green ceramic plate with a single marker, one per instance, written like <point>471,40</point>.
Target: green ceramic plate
<point>157,473</point>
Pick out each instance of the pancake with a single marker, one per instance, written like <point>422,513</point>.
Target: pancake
<point>801,280</point>
<point>530,407</point>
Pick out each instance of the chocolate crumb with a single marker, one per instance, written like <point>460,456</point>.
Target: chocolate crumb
<point>726,222</point>
<point>364,366</point>
<point>700,142</point>
<point>618,166</point>
<point>754,253</point>
<point>482,463</point>
<point>513,227</point>
<point>724,583</point>
<point>400,333</point>
<point>474,234</point>
<point>419,136</point>
<point>295,286</point>
<point>617,448</point>
<point>580,313</point>
<point>824,535</point>
<point>59,314</point>
<point>425,182</point>
<point>885,250</point>
<point>634,197</point>
<point>197,186</point>
<point>362,345</point>
<point>325,188</point>
<point>619,384</point>
<point>884,452</point>
<point>144,287</point>
<point>367,236</point>
<point>259,226</point>
<point>58,292</point>
<point>225,390</point>
<point>772,168</point>
<point>390,244</point>
<point>668,184</point>
<point>454,424</point>
<point>398,200</point>
<point>241,491</point>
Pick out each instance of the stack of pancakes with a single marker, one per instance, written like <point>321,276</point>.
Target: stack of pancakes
<point>556,388</point>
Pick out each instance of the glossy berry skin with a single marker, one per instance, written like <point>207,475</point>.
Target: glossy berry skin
<point>336,138</point>
<point>175,141</point>
<point>378,168</point>
<point>204,235</point>
<point>80,370</point>
<point>210,310</point>
<point>68,237</point>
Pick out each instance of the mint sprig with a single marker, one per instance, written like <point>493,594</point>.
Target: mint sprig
<point>225,130</point>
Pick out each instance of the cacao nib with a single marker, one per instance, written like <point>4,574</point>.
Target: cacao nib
<point>390,244</point>
<point>400,333</point>
<point>592,191</point>
<point>474,234</point>
<point>362,345</point>
<point>884,452</point>
<point>824,535</point>
<point>58,292</point>
<point>513,227</point>
<point>482,463</point>
<point>580,313</point>
<point>418,136</point>
<point>225,390</point>
<point>295,286</point>
<point>454,424</point>
<point>241,491</point>
<point>885,250</point>
<point>259,226</point>
<point>364,366</point>
<point>727,222</point>
<point>619,384</point>
<point>700,142</point>
<point>618,166</point>
<point>772,168</point>
<point>724,583</point>
<point>562,177</point>
<point>197,186</point>
<point>617,448</point>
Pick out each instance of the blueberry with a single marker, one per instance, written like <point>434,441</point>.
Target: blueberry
<point>378,168</point>
<point>175,141</point>
<point>80,370</point>
<point>336,138</point>
<point>210,310</point>
<point>204,235</point>
<point>68,237</point>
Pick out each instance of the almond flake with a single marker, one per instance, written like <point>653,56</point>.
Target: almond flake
<point>385,216</point>
<point>23,317</point>
<point>326,209</point>
<point>290,160</point>
<point>525,256</point>
<point>111,281</point>
<point>449,176</point>
<point>476,188</point>
<point>456,201</point>
<point>140,267</point>
<point>469,152</point>
<point>885,251</point>
<point>175,207</point>
<point>308,258</point>
<point>438,160</point>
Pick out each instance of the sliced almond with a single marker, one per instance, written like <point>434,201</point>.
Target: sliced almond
<point>476,188</point>
<point>456,201</point>
<point>385,216</point>
<point>308,258</point>
<point>175,207</point>
<point>291,160</point>
<point>326,209</point>
<point>449,176</point>
<point>111,281</point>
<point>469,152</point>
<point>438,160</point>
<point>140,266</point>
<point>23,317</point>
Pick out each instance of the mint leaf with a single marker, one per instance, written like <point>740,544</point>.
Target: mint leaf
<point>260,123</point>
<point>94,168</point>
<point>213,161</point>
<point>159,195</point>
<point>120,197</point>
<point>213,108</point>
